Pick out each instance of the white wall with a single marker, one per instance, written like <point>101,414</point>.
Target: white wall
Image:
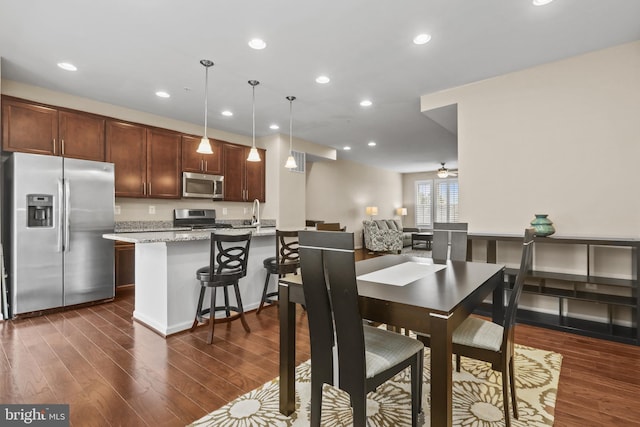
<point>561,139</point>
<point>339,191</point>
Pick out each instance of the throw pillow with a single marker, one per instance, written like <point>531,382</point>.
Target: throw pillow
<point>382,224</point>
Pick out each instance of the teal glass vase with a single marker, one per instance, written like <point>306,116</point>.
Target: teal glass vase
<point>543,225</point>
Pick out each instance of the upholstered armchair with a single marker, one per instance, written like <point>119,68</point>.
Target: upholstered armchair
<point>383,235</point>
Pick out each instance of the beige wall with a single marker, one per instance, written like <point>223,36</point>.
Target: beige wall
<point>561,139</point>
<point>339,191</point>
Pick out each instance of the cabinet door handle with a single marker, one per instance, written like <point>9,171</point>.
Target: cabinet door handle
<point>206,165</point>
<point>62,145</point>
<point>149,188</point>
<point>54,146</point>
<point>144,188</point>
<point>201,165</point>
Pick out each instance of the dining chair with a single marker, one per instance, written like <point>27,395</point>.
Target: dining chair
<point>228,257</point>
<point>330,226</point>
<point>287,260</point>
<point>484,340</point>
<point>367,356</point>
<point>449,241</point>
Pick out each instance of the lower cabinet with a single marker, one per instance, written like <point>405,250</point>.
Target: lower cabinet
<point>125,263</point>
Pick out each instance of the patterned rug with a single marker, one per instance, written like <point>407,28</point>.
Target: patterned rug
<point>477,398</point>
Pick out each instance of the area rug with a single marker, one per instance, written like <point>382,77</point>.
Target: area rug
<point>477,398</point>
<point>416,252</point>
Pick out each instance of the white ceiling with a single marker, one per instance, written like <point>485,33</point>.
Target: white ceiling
<point>127,50</point>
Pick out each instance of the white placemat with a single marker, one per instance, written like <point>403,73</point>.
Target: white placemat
<point>402,274</point>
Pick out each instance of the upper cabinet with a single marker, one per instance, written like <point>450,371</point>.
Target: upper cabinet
<point>34,128</point>
<point>193,161</point>
<point>243,181</point>
<point>127,150</point>
<point>147,160</point>
<point>164,163</point>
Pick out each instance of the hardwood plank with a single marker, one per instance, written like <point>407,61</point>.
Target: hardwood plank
<point>114,371</point>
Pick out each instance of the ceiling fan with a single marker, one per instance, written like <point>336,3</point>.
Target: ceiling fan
<point>445,173</point>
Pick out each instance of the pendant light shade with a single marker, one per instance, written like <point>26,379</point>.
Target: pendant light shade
<point>291,162</point>
<point>254,156</point>
<point>205,146</point>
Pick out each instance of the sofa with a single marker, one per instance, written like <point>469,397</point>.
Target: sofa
<point>406,235</point>
<point>383,235</point>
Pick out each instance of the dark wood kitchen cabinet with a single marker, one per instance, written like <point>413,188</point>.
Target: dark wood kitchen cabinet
<point>192,161</point>
<point>41,129</point>
<point>147,160</point>
<point>127,150</point>
<point>125,263</point>
<point>164,164</point>
<point>243,181</point>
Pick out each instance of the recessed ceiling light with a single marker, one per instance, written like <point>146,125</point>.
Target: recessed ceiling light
<point>67,66</point>
<point>366,103</point>
<point>162,94</point>
<point>541,2</point>
<point>422,39</point>
<point>322,79</point>
<point>371,144</point>
<point>274,126</point>
<point>227,113</point>
<point>346,148</point>
<point>257,44</point>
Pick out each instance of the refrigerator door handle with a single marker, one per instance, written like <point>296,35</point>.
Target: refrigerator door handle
<point>67,212</point>
<point>59,242</point>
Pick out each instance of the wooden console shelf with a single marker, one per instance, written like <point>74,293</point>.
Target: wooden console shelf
<point>576,287</point>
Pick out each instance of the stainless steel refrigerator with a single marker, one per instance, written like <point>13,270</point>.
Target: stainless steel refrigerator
<point>57,210</point>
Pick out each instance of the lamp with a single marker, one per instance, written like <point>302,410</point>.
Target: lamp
<point>371,211</point>
<point>205,146</point>
<point>254,156</point>
<point>291,162</point>
<point>401,211</point>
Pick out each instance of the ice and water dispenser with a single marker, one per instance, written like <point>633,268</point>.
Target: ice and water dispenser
<point>39,210</point>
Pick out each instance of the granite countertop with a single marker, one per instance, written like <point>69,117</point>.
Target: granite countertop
<point>183,235</point>
<point>161,226</point>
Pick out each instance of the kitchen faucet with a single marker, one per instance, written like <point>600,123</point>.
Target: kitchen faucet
<point>255,220</point>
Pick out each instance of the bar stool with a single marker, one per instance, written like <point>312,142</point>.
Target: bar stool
<point>228,261</point>
<point>286,261</point>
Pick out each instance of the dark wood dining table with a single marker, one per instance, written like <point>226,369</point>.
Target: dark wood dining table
<point>434,304</point>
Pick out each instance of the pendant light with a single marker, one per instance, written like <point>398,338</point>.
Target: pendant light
<point>254,156</point>
<point>205,146</point>
<point>291,162</point>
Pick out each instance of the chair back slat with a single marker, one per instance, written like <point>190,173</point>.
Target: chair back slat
<point>449,241</point>
<point>229,255</point>
<point>525,267</point>
<point>330,226</point>
<point>287,251</point>
<point>327,263</point>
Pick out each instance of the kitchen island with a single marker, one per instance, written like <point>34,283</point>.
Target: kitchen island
<point>166,289</point>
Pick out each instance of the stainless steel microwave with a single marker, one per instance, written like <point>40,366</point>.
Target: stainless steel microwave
<point>203,186</point>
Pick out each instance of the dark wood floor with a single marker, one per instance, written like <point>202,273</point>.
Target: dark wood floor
<point>113,371</point>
